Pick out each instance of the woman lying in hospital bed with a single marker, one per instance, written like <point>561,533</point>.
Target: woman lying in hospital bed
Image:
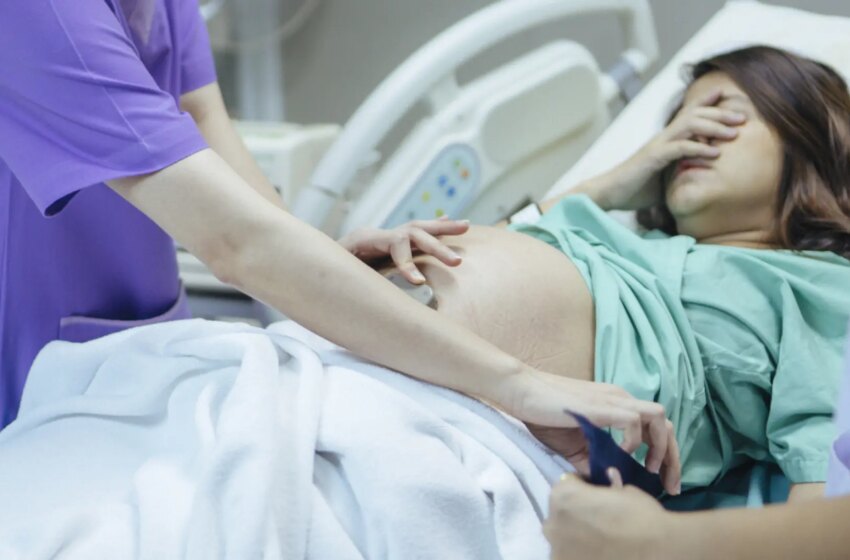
<point>722,323</point>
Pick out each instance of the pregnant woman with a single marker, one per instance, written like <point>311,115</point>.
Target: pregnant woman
<point>731,312</point>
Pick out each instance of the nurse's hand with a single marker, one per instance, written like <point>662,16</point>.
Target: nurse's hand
<point>403,242</point>
<point>542,399</point>
<point>693,134</point>
<point>602,523</point>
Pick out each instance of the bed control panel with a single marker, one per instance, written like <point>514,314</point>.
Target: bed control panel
<point>445,188</point>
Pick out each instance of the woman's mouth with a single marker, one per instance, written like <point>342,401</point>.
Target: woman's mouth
<point>689,164</point>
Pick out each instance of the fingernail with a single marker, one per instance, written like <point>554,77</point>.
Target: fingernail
<point>564,476</point>
<point>466,222</point>
<point>455,256</point>
<point>678,488</point>
<point>418,276</point>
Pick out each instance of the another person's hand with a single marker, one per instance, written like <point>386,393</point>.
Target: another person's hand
<point>402,242</point>
<point>542,399</point>
<point>635,183</point>
<point>588,521</point>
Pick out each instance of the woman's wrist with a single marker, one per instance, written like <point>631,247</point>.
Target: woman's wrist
<point>598,189</point>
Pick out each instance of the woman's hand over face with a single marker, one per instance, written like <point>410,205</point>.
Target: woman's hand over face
<point>402,242</point>
<point>613,523</point>
<point>542,399</point>
<point>635,183</point>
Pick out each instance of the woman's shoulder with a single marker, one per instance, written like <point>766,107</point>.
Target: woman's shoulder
<point>579,213</point>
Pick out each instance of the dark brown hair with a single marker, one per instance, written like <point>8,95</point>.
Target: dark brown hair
<point>808,105</point>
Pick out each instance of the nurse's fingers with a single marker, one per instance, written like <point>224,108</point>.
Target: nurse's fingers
<point>443,226</point>
<point>671,470</point>
<point>402,255</point>
<point>614,477</point>
<point>430,245</point>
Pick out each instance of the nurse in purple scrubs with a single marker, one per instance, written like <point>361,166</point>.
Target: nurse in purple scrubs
<point>114,141</point>
<point>623,522</point>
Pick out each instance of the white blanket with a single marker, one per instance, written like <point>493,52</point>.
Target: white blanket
<point>208,440</point>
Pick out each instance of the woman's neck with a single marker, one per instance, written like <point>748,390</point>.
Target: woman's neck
<point>752,239</point>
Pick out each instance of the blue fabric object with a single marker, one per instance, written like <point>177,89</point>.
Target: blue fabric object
<point>605,453</point>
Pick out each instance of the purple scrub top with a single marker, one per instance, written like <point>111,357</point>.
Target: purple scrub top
<point>838,478</point>
<point>89,92</point>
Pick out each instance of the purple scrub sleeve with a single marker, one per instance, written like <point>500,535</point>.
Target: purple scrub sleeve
<point>79,107</point>
<point>89,91</point>
<point>838,479</point>
<point>196,65</point>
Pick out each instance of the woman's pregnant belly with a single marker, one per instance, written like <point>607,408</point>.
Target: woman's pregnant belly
<point>520,294</point>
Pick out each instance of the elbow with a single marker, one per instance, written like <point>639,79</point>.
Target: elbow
<point>225,267</point>
<point>237,252</point>
<point>224,256</point>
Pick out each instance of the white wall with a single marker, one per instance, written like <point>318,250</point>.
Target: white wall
<point>350,45</point>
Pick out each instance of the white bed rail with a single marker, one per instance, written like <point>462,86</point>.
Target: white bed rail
<point>430,74</point>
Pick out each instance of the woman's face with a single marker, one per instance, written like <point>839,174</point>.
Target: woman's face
<point>735,194</point>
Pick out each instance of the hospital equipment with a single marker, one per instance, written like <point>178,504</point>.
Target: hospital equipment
<point>423,293</point>
<point>254,31</point>
<point>489,146</point>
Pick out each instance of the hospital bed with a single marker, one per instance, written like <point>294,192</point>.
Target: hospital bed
<point>502,131</point>
<point>488,146</point>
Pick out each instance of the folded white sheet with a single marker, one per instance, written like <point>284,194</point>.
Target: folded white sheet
<point>208,440</point>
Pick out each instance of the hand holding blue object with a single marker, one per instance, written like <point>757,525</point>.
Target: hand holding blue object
<point>604,453</point>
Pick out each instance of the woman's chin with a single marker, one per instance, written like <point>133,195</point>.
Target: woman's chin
<point>686,198</point>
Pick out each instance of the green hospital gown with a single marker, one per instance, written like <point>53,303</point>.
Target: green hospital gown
<point>743,347</point>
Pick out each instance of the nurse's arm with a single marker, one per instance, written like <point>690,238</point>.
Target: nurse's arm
<point>207,108</point>
<point>813,529</point>
<point>616,522</point>
<point>806,492</point>
<point>257,247</point>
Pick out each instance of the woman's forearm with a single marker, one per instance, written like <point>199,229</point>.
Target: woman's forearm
<point>595,188</point>
<point>274,257</point>
<point>814,529</point>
